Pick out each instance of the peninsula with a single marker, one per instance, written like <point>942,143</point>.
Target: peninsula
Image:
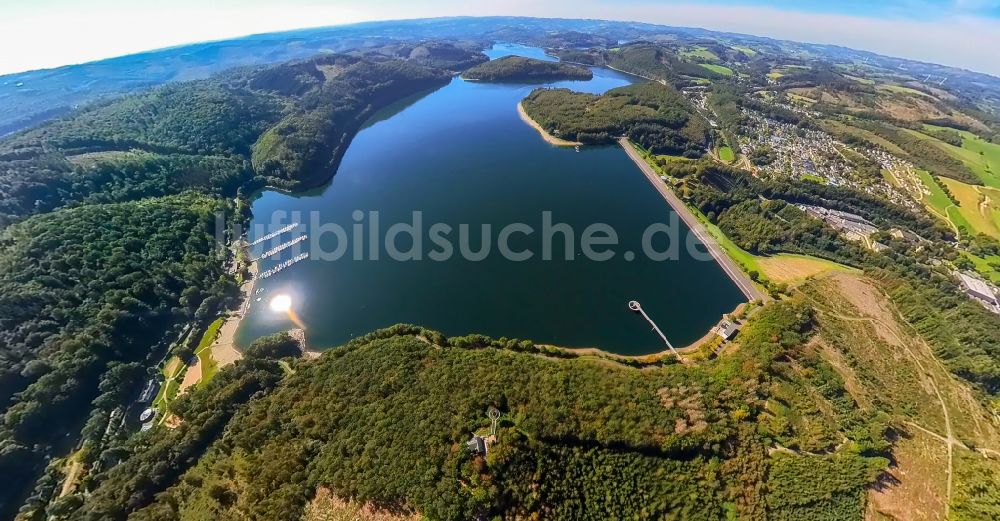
<point>531,70</point>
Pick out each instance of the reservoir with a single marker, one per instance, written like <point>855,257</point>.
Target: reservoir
<point>462,155</point>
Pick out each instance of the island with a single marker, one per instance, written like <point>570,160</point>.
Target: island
<point>520,69</point>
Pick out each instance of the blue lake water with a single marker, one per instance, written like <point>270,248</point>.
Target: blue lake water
<point>461,155</point>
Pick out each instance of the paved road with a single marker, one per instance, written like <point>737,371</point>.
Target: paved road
<point>735,273</point>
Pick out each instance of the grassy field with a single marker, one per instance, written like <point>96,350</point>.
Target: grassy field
<point>939,204</point>
<point>726,154</point>
<point>208,364</point>
<point>718,69</point>
<point>983,266</point>
<point>899,89</point>
<point>982,157</point>
<point>980,207</point>
<point>791,268</point>
<point>172,372</point>
<point>745,50</point>
<point>699,53</point>
<point>838,127</point>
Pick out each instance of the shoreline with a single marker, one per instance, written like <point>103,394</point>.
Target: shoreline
<point>742,281</point>
<point>690,348</point>
<point>549,138</point>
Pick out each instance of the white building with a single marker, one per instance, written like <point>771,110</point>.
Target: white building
<point>980,290</point>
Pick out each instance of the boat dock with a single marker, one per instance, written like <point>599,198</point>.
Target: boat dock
<point>635,306</point>
<point>274,234</point>
<point>272,271</point>
<point>282,247</point>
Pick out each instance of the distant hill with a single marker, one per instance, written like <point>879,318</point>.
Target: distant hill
<point>517,68</point>
<point>29,98</point>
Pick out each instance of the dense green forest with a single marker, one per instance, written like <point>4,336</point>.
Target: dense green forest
<point>519,69</point>
<point>284,125</point>
<point>83,289</point>
<point>107,223</point>
<point>384,420</point>
<point>656,116</point>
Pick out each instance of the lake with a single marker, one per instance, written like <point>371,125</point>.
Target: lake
<point>461,155</point>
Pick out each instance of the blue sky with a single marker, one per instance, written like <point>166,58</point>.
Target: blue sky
<point>48,33</point>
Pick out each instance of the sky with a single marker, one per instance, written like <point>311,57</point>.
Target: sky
<point>37,34</point>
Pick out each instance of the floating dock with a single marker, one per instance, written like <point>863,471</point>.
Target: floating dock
<point>282,247</point>
<point>271,272</point>
<point>275,233</point>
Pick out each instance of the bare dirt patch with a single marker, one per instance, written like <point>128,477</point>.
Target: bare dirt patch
<point>328,507</point>
<point>789,268</point>
<point>191,376</point>
<point>914,488</point>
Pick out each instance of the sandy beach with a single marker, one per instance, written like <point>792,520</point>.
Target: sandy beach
<point>549,138</point>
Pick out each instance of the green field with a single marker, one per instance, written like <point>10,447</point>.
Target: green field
<point>940,205</point>
<point>983,266</point>
<point>980,206</point>
<point>173,373</point>
<point>726,154</point>
<point>981,156</point>
<point>718,69</point>
<point>899,89</point>
<point>699,53</point>
<point>745,50</point>
<point>208,364</point>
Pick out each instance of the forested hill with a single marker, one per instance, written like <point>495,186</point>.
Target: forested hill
<point>517,68</point>
<point>383,421</point>
<point>285,125</point>
<point>654,115</point>
<point>86,295</point>
<point>108,221</point>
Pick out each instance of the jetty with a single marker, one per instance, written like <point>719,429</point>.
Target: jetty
<point>282,247</point>
<point>274,234</point>
<point>284,264</point>
<point>635,306</point>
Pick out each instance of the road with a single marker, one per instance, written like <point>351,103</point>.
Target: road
<point>734,272</point>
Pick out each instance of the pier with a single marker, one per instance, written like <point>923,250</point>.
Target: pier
<point>274,234</point>
<point>635,306</point>
<point>272,271</point>
<point>282,247</point>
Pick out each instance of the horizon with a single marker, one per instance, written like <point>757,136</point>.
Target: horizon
<point>907,29</point>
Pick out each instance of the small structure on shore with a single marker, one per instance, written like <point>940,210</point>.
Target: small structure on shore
<point>727,329</point>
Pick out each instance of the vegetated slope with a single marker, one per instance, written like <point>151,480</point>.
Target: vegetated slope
<point>92,294</point>
<point>654,115</point>
<point>517,68</point>
<point>85,290</point>
<point>384,420</point>
<point>285,125</point>
<point>944,448</point>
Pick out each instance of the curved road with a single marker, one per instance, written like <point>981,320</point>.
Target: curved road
<point>732,270</point>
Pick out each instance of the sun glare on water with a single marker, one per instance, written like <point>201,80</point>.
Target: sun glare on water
<point>281,303</point>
